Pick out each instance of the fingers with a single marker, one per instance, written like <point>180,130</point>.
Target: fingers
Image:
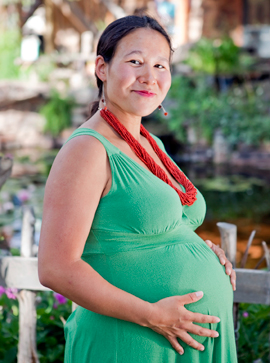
<point>190,341</point>
<point>228,267</point>
<point>218,251</point>
<point>175,344</point>
<point>191,297</point>
<point>221,255</point>
<point>233,280</point>
<point>203,332</point>
<point>194,329</point>
<point>201,318</point>
<point>209,243</point>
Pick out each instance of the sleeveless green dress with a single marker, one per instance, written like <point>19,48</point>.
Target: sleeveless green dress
<point>142,240</point>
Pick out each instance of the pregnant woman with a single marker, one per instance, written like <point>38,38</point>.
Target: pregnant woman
<point>118,225</point>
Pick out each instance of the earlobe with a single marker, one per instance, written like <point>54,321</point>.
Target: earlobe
<point>101,67</point>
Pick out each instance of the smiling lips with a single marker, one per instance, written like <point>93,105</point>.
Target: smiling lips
<point>145,93</point>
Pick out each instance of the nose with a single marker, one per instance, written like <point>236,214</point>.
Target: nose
<point>147,76</point>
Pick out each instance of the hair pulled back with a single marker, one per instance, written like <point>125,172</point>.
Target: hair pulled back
<point>116,31</point>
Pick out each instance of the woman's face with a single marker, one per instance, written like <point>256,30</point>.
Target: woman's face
<point>138,77</point>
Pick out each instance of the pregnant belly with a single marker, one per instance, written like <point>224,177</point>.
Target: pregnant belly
<point>174,269</point>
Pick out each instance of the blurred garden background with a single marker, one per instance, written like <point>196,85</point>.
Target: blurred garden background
<point>217,128</point>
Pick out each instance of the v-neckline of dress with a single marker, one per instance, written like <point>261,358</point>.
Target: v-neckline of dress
<point>132,160</point>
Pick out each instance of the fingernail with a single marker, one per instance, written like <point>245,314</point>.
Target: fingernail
<point>217,320</point>
<point>199,293</point>
<point>181,352</point>
<point>201,348</point>
<point>216,334</point>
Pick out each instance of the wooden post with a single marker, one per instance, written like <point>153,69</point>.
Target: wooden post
<point>27,352</point>
<point>228,240</point>
<point>228,234</point>
<point>266,254</point>
<point>74,306</point>
<point>245,256</point>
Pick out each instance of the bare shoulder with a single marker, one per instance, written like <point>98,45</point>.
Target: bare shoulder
<point>81,165</point>
<point>85,145</point>
<point>82,152</point>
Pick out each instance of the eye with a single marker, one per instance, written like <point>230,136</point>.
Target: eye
<point>134,61</point>
<point>160,66</point>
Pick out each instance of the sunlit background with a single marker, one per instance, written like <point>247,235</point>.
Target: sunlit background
<point>217,128</point>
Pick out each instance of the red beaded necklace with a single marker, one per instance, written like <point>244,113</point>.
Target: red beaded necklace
<point>187,198</point>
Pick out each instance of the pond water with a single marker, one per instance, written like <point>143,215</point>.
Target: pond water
<point>235,195</point>
<point>238,196</point>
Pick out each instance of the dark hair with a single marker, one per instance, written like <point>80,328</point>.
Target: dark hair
<point>116,31</point>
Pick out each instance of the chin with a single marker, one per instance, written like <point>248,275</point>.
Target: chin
<point>144,112</point>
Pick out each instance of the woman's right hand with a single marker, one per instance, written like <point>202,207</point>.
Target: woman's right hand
<point>170,318</point>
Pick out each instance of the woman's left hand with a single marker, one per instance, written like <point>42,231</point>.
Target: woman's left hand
<point>224,261</point>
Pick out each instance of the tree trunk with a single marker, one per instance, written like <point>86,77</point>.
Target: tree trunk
<point>49,41</point>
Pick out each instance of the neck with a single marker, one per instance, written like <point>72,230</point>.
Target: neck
<point>131,122</point>
<point>187,198</point>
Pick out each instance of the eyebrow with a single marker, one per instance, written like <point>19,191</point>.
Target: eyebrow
<point>141,53</point>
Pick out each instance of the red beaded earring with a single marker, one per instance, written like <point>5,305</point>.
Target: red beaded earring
<point>103,99</point>
<point>163,109</point>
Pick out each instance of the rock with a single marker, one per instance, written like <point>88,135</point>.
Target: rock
<point>24,169</point>
<point>5,169</point>
<point>19,129</point>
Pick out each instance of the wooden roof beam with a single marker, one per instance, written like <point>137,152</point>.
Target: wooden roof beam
<point>116,10</point>
<point>75,15</point>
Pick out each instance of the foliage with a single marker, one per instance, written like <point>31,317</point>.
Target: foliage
<point>25,3</point>
<point>57,113</point>
<point>9,50</point>
<point>14,195</point>
<point>217,57</point>
<point>51,316</point>
<point>254,330</point>
<point>52,312</point>
<point>9,328</point>
<point>243,114</point>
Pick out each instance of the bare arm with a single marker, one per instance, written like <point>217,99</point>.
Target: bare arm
<point>73,191</point>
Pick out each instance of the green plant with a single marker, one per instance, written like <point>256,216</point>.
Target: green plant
<point>217,57</point>
<point>57,113</point>
<point>52,312</point>
<point>242,114</point>
<point>254,329</point>
<point>8,327</point>
<point>9,50</point>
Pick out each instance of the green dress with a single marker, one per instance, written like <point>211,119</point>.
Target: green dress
<point>142,240</point>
